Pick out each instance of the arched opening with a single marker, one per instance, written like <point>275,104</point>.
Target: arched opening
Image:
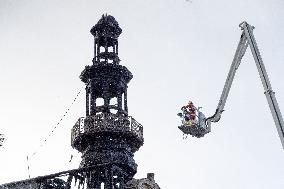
<point>102,185</point>
<point>113,101</point>
<point>113,111</point>
<point>117,185</point>
<point>113,105</point>
<point>102,49</point>
<point>99,101</point>
<point>110,49</point>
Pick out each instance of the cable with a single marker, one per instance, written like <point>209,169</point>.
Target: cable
<point>2,139</point>
<point>52,131</point>
<point>28,166</point>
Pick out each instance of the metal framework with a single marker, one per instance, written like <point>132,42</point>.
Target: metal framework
<point>248,39</point>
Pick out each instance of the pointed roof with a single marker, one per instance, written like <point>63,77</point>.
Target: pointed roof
<point>107,26</point>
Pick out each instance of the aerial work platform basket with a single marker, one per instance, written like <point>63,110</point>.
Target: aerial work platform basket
<point>195,128</point>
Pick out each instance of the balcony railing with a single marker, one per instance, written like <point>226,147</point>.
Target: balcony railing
<point>107,122</point>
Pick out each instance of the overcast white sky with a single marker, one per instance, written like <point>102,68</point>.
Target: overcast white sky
<point>177,50</point>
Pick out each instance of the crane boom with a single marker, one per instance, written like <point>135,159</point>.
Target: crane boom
<point>247,39</point>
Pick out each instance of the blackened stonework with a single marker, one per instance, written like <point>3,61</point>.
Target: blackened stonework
<point>107,137</point>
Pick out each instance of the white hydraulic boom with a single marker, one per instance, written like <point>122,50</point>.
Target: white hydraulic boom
<point>247,39</point>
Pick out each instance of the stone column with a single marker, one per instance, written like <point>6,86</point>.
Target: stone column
<point>119,102</point>
<point>106,96</point>
<point>125,100</point>
<point>87,101</point>
<point>93,99</point>
<point>95,51</point>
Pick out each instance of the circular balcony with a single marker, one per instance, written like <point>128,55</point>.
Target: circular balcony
<point>108,71</point>
<point>106,124</point>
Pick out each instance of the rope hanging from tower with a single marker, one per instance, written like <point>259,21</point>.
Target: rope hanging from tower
<point>54,128</point>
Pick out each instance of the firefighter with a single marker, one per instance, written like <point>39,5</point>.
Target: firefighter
<point>191,112</point>
<point>185,113</point>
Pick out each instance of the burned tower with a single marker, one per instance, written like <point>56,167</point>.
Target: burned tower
<point>107,137</point>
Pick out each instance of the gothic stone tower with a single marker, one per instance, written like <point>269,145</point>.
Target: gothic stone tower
<point>108,136</point>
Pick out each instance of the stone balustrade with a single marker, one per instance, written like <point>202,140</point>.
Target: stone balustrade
<point>107,122</point>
